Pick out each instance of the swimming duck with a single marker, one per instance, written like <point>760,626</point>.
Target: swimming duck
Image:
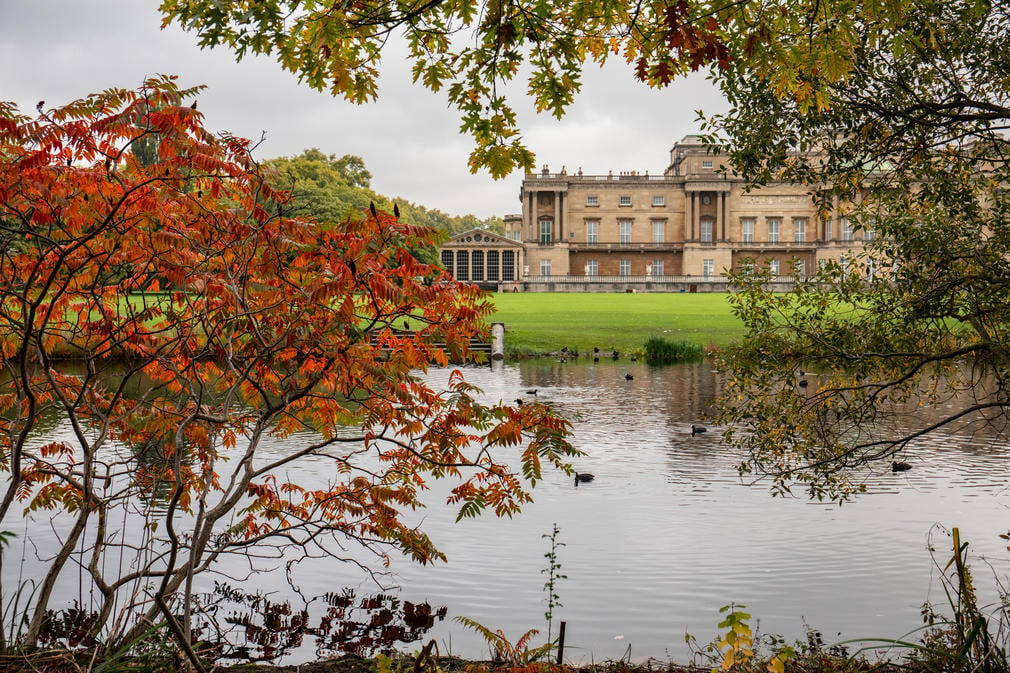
<point>897,466</point>
<point>698,429</point>
<point>583,477</point>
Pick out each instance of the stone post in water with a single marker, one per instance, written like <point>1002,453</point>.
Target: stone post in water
<point>497,341</point>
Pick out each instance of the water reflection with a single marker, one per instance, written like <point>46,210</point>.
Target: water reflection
<point>668,532</point>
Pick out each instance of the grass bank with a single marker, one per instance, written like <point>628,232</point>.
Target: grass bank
<point>546,322</point>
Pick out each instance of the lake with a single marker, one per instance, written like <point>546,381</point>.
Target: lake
<point>667,533</point>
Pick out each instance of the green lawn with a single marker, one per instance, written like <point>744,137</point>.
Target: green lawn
<point>545,322</point>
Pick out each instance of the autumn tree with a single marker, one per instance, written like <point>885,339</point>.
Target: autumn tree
<point>912,337</point>
<point>140,407</point>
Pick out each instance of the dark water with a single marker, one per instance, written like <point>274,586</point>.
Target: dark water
<point>667,533</point>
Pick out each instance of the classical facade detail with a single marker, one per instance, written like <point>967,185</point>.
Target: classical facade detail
<point>480,256</point>
<point>691,221</point>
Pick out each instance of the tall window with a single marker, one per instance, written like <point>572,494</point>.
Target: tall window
<point>462,265</point>
<point>624,267</point>
<point>707,267</point>
<point>592,268</point>
<point>871,270</point>
<point>658,267</point>
<point>492,265</point>
<point>624,200</point>
<point>869,233</point>
<point>659,200</point>
<point>508,265</point>
<point>706,231</point>
<point>545,267</point>
<point>773,267</point>
<point>625,231</point>
<point>846,229</point>
<point>592,232</point>
<point>799,268</point>
<point>747,235</point>
<point>447,260</point>
<point>773,231</point>
<point>800,230</point>
<point>592,200</point>
<point>545,232</point>
<point>477,265</point>
<point>658,227</point>
<point>827,229</point>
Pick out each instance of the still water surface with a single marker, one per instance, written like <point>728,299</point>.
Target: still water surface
<point>668,533</point>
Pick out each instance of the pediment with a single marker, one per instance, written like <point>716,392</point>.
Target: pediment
<point>480,238</point>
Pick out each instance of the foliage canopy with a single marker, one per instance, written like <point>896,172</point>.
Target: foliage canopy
<point>205,322</point>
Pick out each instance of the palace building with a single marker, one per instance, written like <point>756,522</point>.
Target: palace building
<point>693,222</point>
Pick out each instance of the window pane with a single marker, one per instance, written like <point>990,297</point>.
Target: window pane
<point>545,232</point>
<point>492,265</point>
<point>773,231</point>
<point>592,232</point>
<point>545,267</point>
<point>462,265</point>
<point>477,265</point>
<point>706,231</point>
<point>748,230</point>
<point>624,267</point>
<point>799,231</point>
<point>625,227</point>
<point>591,267</point>
<point>659,200</point>
<point>657,231</point>
<point>658,268</point>
<point>508,264</point>
<point>707,267</point>
<point>625,200</point>
<point>447,260</point>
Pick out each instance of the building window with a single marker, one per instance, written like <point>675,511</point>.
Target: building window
<point>624,267</point>
<point>869,233</point>
<point>747,267</point>
<point>625,200</point>
<point>658,233</point>
<point>707,267</point>
<point>748,230</point>
<point>447,260</point>
<point>773,267</point>
<point>592,232</point>
<point>799,268</point>
<point>707,163</point>
<point>658,201</point>
<point>706,231</point>
<point>846,229</point>
<point>592,200</point>
<point>625,231</point>
<point>827,229</point>
<point>658,268</point>
<point>871,270</point>
<point>492,265</point>
<point>545,232</point>
<point>800,230</point>
<point>477,265</point>
<point>592,267</point>
<point>462,265</point>
<point>545,267</point>
<point>508,265</point>
<point>773,231</point>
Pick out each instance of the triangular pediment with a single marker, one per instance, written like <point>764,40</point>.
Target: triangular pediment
<point>481,238</point>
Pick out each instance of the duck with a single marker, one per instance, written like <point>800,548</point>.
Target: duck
<point>616,355</point>
<point>898,466</point>
<point>698,429</point>
<point>532,392</point>
<point>628,377</point>
<point>803,383</point>
<point>583,477</point>
<point>518,402</point>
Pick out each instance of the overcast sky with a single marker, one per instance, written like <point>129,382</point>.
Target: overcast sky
<point>61,50</point>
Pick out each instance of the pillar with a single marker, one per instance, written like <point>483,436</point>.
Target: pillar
<point>497,341</point>
<point>720,233</point>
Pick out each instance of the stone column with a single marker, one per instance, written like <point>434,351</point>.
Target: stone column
<point>497,341</point>
<point>556,228</point>
<point>696,216</point>
<point>720,226</point>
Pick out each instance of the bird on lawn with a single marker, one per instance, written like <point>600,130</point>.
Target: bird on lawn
<point>583,477</point>
<point>698,429</point>
<point>898,466</point>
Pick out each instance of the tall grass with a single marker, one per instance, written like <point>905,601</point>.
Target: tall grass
<point>659,351</point>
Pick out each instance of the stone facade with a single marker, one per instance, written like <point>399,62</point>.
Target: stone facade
<point>691,221</point>
<point>481,256</point>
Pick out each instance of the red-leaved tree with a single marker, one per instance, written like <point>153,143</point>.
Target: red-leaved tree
<point>161,321</point>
